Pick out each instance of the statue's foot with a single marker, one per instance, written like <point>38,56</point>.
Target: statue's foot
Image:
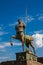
<point>28,51</point>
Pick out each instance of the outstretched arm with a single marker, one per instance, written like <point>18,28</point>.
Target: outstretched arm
<point>11,40</point>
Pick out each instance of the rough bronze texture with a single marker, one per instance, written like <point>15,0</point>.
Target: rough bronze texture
<point>20,35</point>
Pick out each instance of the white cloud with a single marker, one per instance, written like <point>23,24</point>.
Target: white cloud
<point>3,33</point>
<point>17,44</point>
<point>30,18</point>
<point>39,31</point>
<point>7,44</point>
<point>25,19</point>
<point>0,28</point>
<point>1,46</point>
<point>38,41</point>
<point>2,50</point>
<point>40,18</point>
<point>3,57</point>
<point>13,24</point>
<point>4,44</point>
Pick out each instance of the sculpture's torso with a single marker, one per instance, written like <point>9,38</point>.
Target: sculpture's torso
<point>20,27</point>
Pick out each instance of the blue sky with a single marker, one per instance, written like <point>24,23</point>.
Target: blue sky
<point>10,12</point>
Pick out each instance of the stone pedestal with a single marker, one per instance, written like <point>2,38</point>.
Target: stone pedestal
<point>23,58</point>
<point>26,56</point>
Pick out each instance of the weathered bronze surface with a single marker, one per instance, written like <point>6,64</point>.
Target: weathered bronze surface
<point>25,39</point>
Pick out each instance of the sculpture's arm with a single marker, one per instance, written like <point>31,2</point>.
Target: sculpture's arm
<point>11,40</point>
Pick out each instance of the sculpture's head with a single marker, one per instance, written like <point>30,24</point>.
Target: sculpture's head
<point>19,21</point>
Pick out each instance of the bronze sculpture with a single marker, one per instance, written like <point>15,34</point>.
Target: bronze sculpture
<point>25,39</point>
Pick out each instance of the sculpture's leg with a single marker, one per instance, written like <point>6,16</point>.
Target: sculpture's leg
<point>33,48</point>
<point>11,39</point>
<point>22,40</point>
<point>23,47</point>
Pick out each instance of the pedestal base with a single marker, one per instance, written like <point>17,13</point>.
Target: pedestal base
<point>23,62</point>
<point>26,56</point>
